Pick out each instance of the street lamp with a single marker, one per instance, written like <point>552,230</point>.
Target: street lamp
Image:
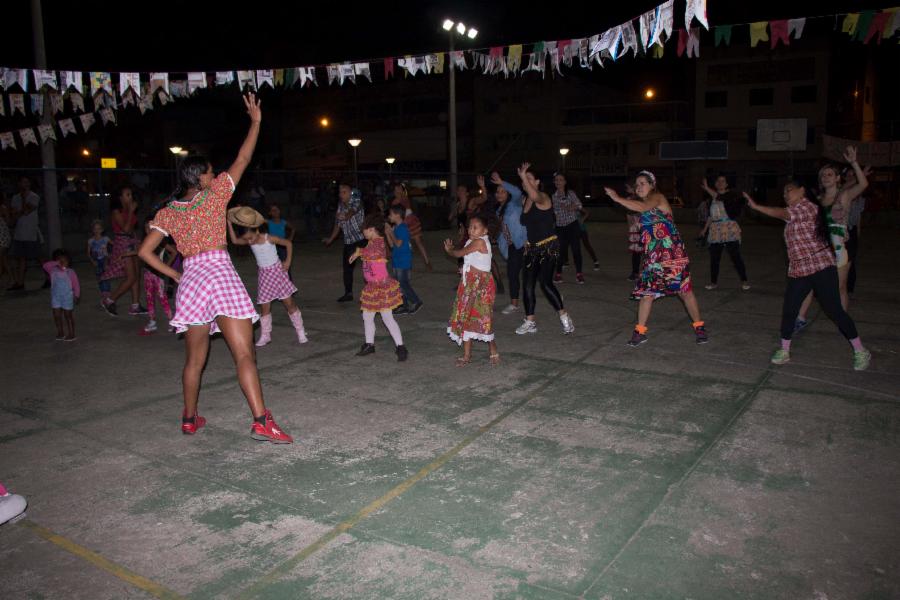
<point>324,122</point>
<point>175,149</point>
<point>563,152</point>
<point>85,152</point>
<point>649,93</point>
<point>390,161</point>
<point>471,33</point>
<point>355,142</point>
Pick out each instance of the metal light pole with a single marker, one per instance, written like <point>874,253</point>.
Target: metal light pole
<point>449,26</point>
<point>355,142</point>
<point>390,161</point>
<point>48,151</point>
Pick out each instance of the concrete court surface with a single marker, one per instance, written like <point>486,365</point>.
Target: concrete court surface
<point>579,468</point>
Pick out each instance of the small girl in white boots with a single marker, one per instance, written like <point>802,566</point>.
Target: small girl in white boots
<point>274,283</point>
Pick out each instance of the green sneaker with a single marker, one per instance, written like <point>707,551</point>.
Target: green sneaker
<point>781,357</point>
<point>861,360</point>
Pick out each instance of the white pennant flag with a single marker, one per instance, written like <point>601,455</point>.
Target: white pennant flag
<point>795,27</point>
<point>56,103</point>
<point>247,79</point>
<point>13,77</point>
<point>129,80</point>
<point>28,137</point>
<point>46,132</point>
<point>458,59</point>
<point>37,104</point>
<point>87,119</point>
<point>146,103</point>
<point>362,69</point>
<point>17,103</point>
<point>67,126</point>
<point>224,77</point>
<point>265,77</point>
<point>71,79</point>
<point>695,8</point>
<point>629,38</point>
<point>584,53</point>
<point>178,89</point>
<point>7,140</point>
<point>44,78</point>
<point>159,80</point>
<point>107,116</point>
<point>347,73</point>
<point>77,101</point>
<point>667,17</point>
<point>306,75</point>
<point>651,27</point>
<point>196,81</point>
<point>334,73</point>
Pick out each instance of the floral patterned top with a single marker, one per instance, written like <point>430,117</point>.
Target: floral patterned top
<point>374,257</point>
<point>198,224</point>
<point>722,228</point>
<point>665,265</point>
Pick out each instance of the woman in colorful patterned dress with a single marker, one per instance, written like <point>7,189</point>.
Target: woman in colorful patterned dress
<point>722,231</point>
<point>123,260</point>
<point>836,201</point>
<point>811,268</point>
<point>473,312</point>
<point>382,292</point>
<point>211,296</point>
<point>665,267</point>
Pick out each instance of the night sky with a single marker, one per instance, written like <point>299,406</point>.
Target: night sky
<point>198,35</point>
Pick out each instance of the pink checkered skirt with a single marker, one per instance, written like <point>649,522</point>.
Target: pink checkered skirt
<point>209,288</point>
<point>274,284</point>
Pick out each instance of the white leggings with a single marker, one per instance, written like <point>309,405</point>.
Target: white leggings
<point>388,318</point>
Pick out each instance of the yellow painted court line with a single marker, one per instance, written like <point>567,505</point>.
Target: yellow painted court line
<point>286,567</point>
<point>107,565</point>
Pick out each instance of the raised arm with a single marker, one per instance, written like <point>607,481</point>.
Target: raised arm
<point>705,187</point>
<point>245,154</point>
<point>475,246</point>
<point>862,182</point>
<point>635,205</point>
<point>776,212</point>
<point>530,190</point>
<point>233,236</point>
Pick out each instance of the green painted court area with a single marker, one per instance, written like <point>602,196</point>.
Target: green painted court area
<point>579,468</point>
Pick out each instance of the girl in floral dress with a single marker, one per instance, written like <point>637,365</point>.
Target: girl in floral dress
<point>472,317</point>
<point>665,267</point>
<point>382,292</point>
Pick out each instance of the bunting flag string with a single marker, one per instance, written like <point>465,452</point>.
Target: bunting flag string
<point>47,90</point>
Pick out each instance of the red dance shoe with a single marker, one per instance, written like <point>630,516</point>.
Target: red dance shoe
<point>190,428</point>
<point>270,432</point>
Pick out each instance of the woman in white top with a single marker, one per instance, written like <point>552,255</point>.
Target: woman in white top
<point>473,312</point>
<point>274,283</point>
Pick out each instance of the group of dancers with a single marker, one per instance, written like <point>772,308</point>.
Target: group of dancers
<point>528,226</point>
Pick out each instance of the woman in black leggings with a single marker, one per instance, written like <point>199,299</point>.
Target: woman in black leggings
<point>541,252</point>
<point>811,268</point>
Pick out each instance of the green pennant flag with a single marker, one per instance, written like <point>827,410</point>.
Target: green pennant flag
<point>862,26</point>
<point>538,48</point>
<point>289,77</point>
<point>723,34</point>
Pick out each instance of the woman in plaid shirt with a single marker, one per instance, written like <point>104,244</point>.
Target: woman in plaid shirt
<point>811,267</point>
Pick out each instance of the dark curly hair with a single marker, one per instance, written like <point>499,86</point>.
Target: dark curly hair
<point>374,221</point>
<point>490,221</point>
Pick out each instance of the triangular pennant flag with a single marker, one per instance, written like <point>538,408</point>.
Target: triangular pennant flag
<point>146,103</point>
<point>13,77</point>
<point>128,98</point>
<point>196,81</point>
<point>7,140</point>
<point>693,43</point>
<point>584,52</point>
<point>629,39</point>
<point>388,68</point>
<point>307,75</point>
<point>71,79</point>
<point>164,99</point>
<point>56,103</point>
<point>101,81</point>
<point>87,119</point>
<point>458,59</point>
<point>651,26</point>
<point>28,137</point>
<point>893,24</point>
<point>129,81</point>
<point>46,132</point>
<point>682,42</point>
<point>779,32</point>
<point>178,89</point>
<point>107,116</point>
<point>77,101</point>
<point>758,33</point>
<point>348,73</point>
<point>334,73</point>
<point>795,27</point>
<point>877,26</point>
<point>265,77</point>
<point>562,47</point>
<point>615,41</point>
<point>224,77</point>
<point>658,50</point>
<point>862,26</point>
<point>17,103</point>
<point>601,46</point>
<point>495,60</point>
<point>695,9</point>
<point>514,59</point>
<point>439,65</point>
<point>67,126</point>
<point>246,79</point>
<point>159,80</point>
<point>278,77</point>
<point>37,104</point>
<point>723,34</point>
<point>667,17</point>
<point>45,78</point>
<point>850,22</point>
<point>363,70</point>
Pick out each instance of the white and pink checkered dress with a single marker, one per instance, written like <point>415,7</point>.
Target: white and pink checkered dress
<point>274,284</point>
<point>209,288</point>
